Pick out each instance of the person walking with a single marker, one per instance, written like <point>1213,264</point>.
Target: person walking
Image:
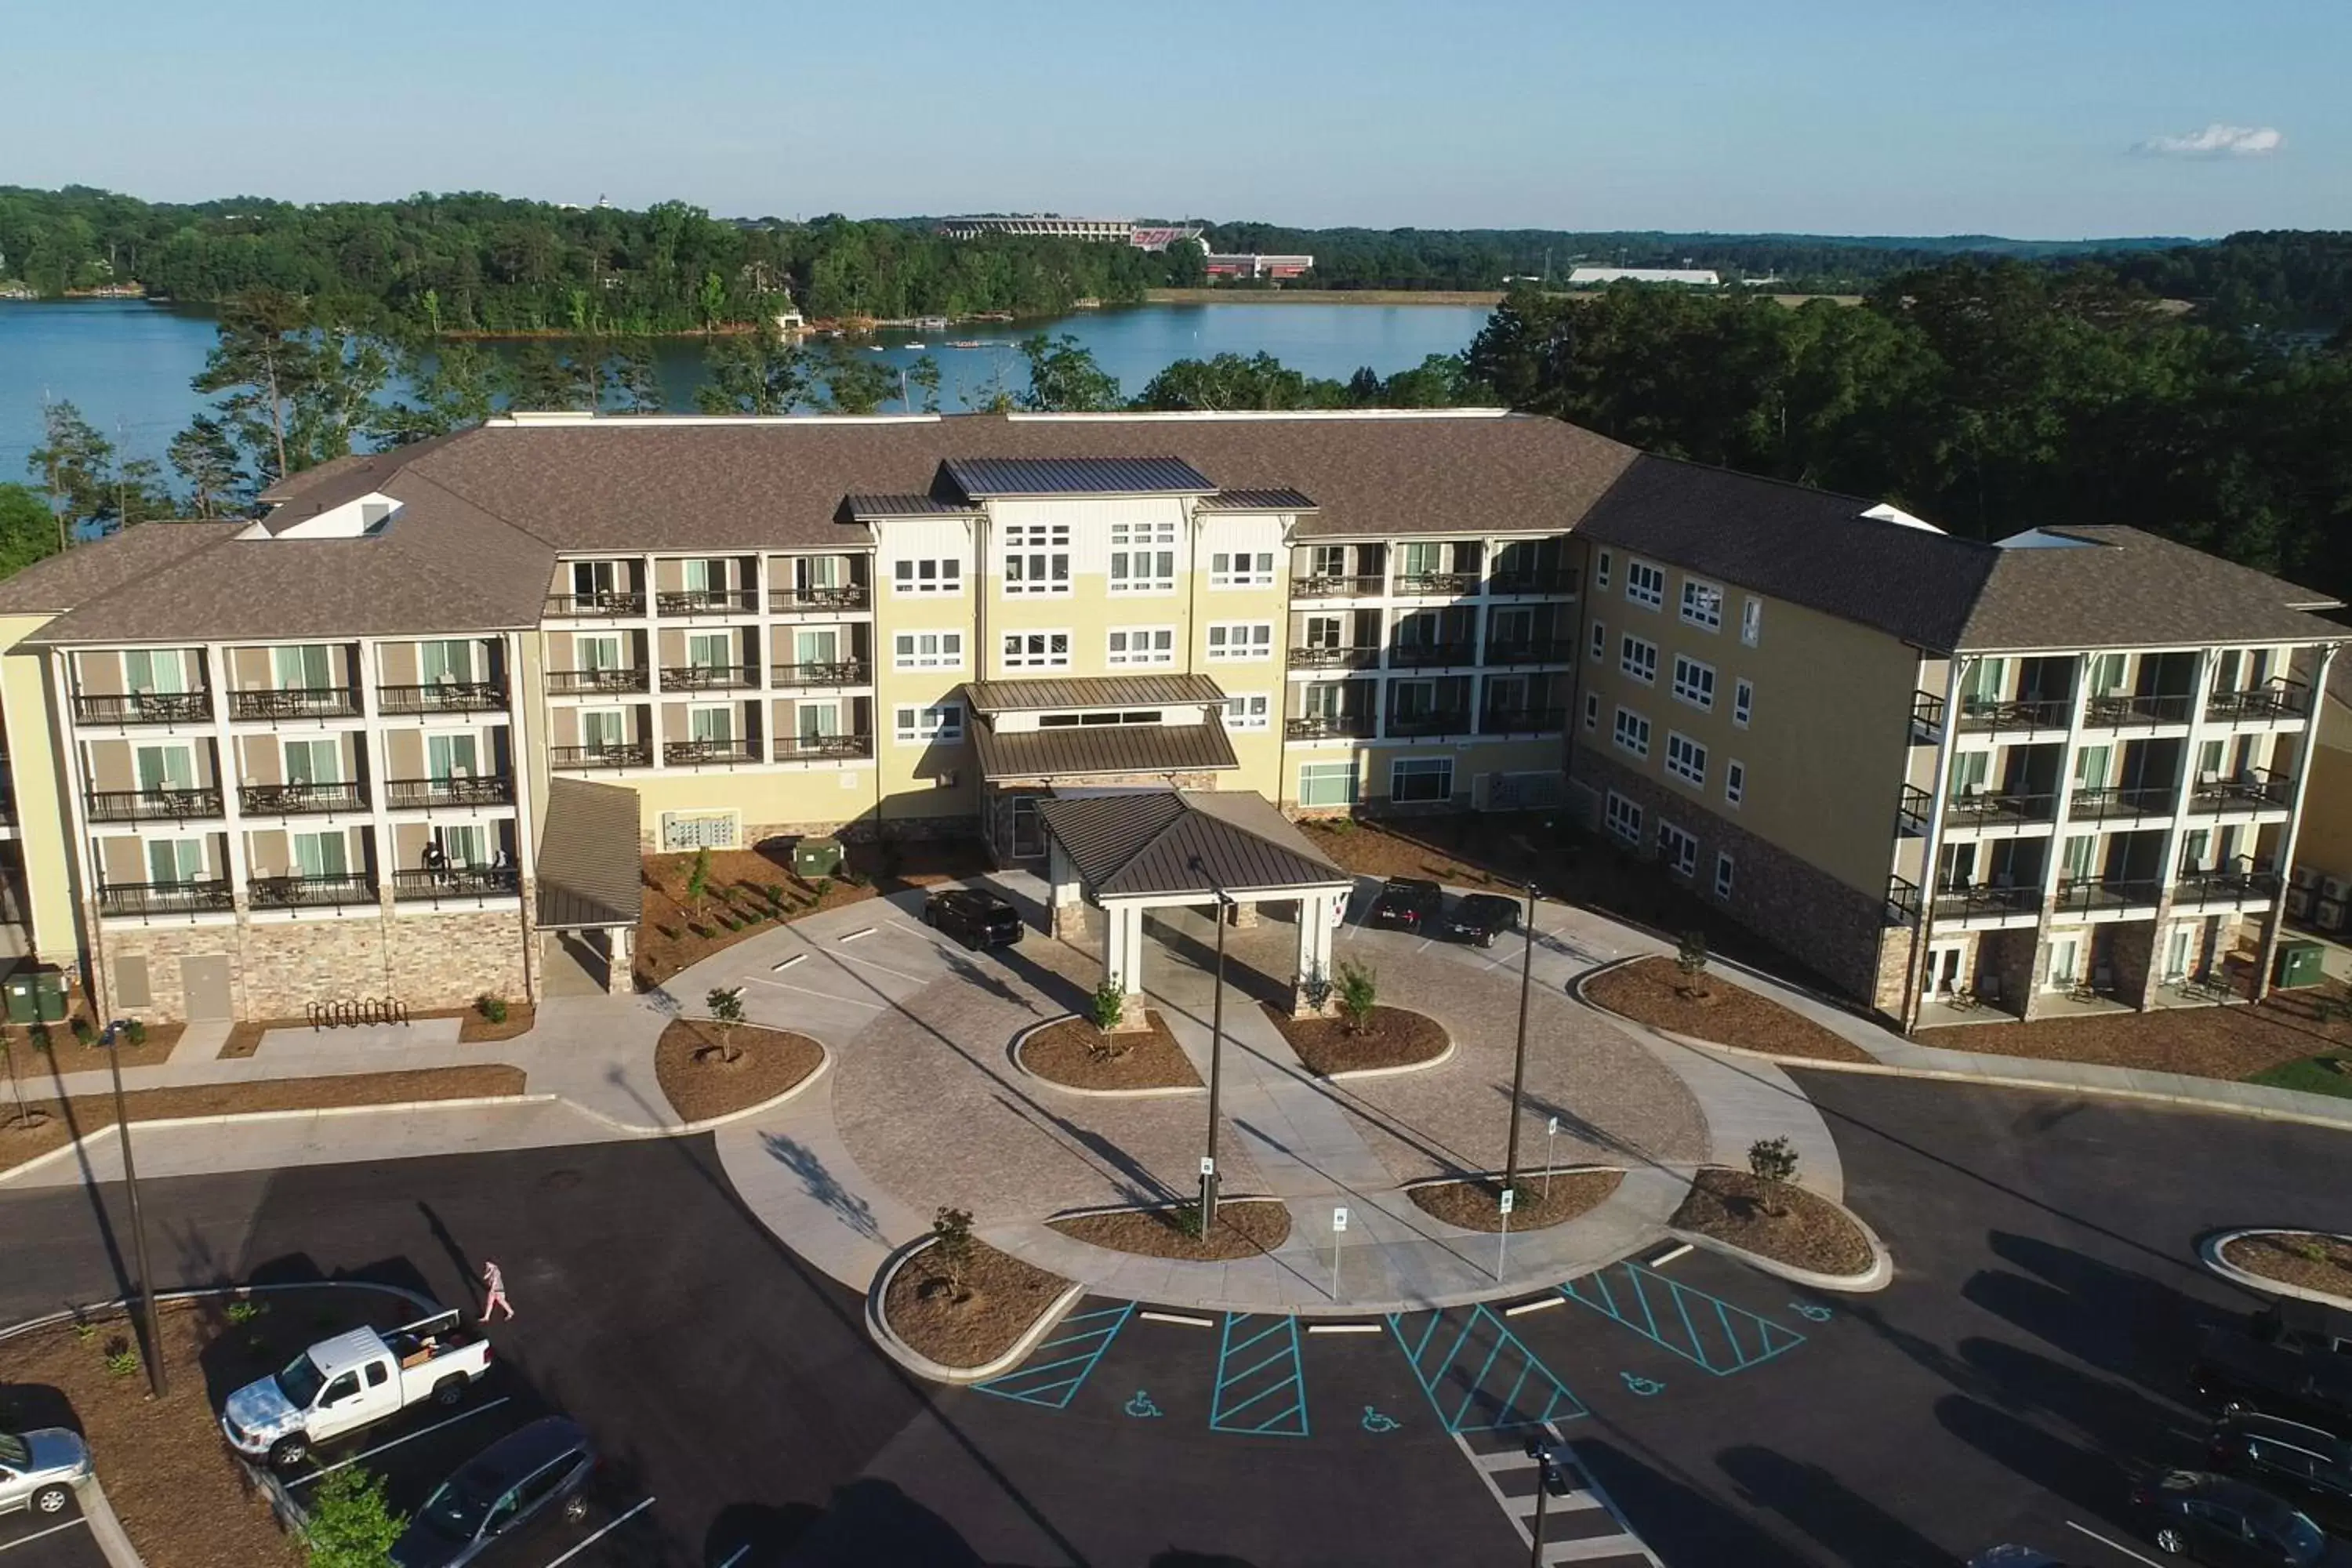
<point>495,1282</point>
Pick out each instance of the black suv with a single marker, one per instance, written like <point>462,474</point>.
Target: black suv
<point>531,1474</point>
<point>2236,1372</point>
<point>1408,903</point>
<point>2213,1519</point>
<point>1482,917</point>
<point>2310,1467</point>
<point>974,916</point>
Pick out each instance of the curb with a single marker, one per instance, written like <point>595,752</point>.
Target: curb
<point>921,1365</point>
<point>1455,1230</point>
<point>1877,1277</point>
<point>105,1527</point>
<point>685,1129</point>
<point>1166,1091</point>
<point>1356,1075</point>
<point>246,1118</point>
<point>198,1293</point>
<point>2210,1251</point>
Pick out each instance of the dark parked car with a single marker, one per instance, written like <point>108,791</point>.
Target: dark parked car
<point>974,916</point>
<point>2213,1519</point>
<point>530,1475</point>
<point>2235,1372</point>
<point>2303,1326</point>
<point>1482,917</point>
<point>1408,903</point>
<point>2309,1468</point>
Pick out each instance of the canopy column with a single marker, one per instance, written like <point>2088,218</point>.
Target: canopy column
<point>1320,914</point>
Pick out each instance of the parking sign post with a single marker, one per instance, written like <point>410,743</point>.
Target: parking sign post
<point>1551,1131</point>
<point>1339,1226</point>
<point>1509,1199</point>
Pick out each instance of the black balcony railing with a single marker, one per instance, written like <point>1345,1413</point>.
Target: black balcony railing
<point>322,893</point>
<point>485,789</point>
<point>295,702</point>
<point>707,601</point>
<point>152,805</point>
<point>150,899</point>
<point>1911,814</point>
<point>1453,584</point>
<point>710,676</point>
<point>695,754</point>
<point>1522,720</point>
<point>1329,727</point>
<point>609,602</point>
<point>1926,719</point>
<point>620,755</point>
<point>2223,886</point>
<point>1988,809</point>
<point>1902,901</point>
<point>1424,655</point>
<point>1369,586</point>
<point>2085,895</point>
<point>2099,805</point>
<point>2256,789</point>
<point>8,800</point>
<point>1960,901</point>
<point>2119,710</point>
<point>800,601</point>
<point>299,799</point>
<point>1437,722</point>
<point>827,672</point>
<point>1353,656</point>
<point>443,696</point>
<point>594,682</point>
<point>464,883</point>
<point>1530,650</point>
<point>822,748</point>
<point>1552,580</point>
<point>2276,700</point>
<point>1979,714</point>
<point>143,708</point>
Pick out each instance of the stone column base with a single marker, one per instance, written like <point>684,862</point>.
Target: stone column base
<point>1131,1018</point>
<point>1301,1008</point>
<point>1244,917</point>
<point>1069,921</point>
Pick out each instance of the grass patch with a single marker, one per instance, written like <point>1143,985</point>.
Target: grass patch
<point>2308,1075</point>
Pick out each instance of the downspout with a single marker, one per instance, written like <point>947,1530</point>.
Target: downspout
<point>2267,954</point>
<point>1931,845</point>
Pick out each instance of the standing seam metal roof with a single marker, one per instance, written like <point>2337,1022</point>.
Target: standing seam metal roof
<point>1188,690</point>
<point>1101,748</point>
<point>589,870</point>
<point>981,478</point>
<point>1126,846</point>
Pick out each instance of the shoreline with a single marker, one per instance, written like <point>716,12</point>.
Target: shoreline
<point>1482,299</point>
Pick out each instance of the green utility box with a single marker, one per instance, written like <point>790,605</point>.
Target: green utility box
<point>814,858</point>
<point>36,995</point>
<point>2298,965</point>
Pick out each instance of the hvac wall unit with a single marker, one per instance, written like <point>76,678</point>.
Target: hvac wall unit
<point>2335,889</point>
<point>2305,878</point>
<point>1536,790</point>
<point>2330,914</point>
<point>2298,903</point>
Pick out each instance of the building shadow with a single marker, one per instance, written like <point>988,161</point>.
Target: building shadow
<point>1847,1526</point>
<point>2088,1480</point>
<point>2118,1320</point>
<point>871,1523</point>
<point>1676,1519</point>
<point>755,1534</point>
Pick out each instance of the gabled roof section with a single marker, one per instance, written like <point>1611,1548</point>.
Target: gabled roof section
<point>1190,689</point>
<point>2105,586</point>
<point>864,507</point>
<point>1013,478</point>
<point>589,872</point>
<point>1279,498</point>
<point>1101,751</point>
<point>91,571</point>
<point>1183,841</point>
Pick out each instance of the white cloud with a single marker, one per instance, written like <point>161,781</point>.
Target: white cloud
<point>2217,141</point>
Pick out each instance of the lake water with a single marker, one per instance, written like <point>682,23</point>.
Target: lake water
<point>128,364</point>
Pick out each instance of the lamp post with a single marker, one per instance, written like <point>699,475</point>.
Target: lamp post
<point>1519,1058</point>
<point>157,1382</point>
<point>1549,1483</point>
<point>1216,1064</point>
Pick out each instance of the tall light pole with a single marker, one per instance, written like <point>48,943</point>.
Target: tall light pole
<point>1216,1065</point>
<point>157,1382</point>
<point>1519,1058</point>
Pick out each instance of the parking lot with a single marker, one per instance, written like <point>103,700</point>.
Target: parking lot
<point>29,1539</point>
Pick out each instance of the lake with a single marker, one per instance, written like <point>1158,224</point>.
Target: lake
<point>128,364</point>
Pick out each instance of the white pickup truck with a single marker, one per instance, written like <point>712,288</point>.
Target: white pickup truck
<point>354,1379</point>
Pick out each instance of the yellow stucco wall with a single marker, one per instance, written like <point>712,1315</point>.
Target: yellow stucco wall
<point>42,819</point>
<point>2323,842</point>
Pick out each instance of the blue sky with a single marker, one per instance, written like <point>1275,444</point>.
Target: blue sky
<point>2035,118</point>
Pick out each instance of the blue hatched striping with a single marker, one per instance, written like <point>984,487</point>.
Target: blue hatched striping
<point>1056,1370</point>
<point>1701,1329</point>
<point>1479,1376</point>
<point>1261,1383</point>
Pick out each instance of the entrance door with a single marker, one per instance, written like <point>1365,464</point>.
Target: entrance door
<point>816,574</point>
<point>1943,971</point>
<point>322,854</point>
<point>2065,963</point>
<point>450,757</point>
<point>204,979</point>
<point>1028,833</point>
<point>163,768</point>
<point>2179,947</point>
<point>1324,631</point>
<point>820,646</point>
<point>815,722</point>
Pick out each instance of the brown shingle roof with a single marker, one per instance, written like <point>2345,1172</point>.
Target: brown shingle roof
<point>1080,753</point>
<point>589,866</point>
<point>2110,587</point>
<point>1174,690</point>
<point>1189,841</point>
<point>93,570</point>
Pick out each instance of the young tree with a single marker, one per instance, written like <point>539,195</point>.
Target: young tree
<point>698,880</point>
<point>1065,379</point>
<point>726,1004</point>
<point>337,398</point>
<point>1773,1162</point>
<point>637,377</point>
<point>205,458</point>
<point>350,1526</point>
<point>8,1057</point>
<point>752,373</point>
<point>951,1239</point>
<point>76,465</point>
<point>1357,992</point>
<point>263,360</point>
<point>1690,958</point>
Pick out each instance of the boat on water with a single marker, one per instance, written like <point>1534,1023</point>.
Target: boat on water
<point>916,345</point>
<point>874,348</point>
<point>965,344</point>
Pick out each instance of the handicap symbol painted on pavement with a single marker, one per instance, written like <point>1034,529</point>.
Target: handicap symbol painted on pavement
<point>1376,1422</point>
<point>1141,1406</point>
<point>1644,1386</point>
<point>1811,1311</point>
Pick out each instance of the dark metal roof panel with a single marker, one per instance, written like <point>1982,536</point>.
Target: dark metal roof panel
<point>590,871</point>
<point>1257,501</point>
<point>1104,749</point>
<point>1183,691</point>
<point>981,477</point>
<point>856,507</point>
<point>1173,842</point>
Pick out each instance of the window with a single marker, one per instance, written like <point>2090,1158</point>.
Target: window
<point>1028,828</point>
<point>1632,733</point>
<point>321,853</point>
<point>1143,557</point>
<point>1639,659</point>
<point>453,755</point>
<point>1622,816</point>
<point>1326,784</point>
<point>306,762</point>
<point>1593,710</point>
<point>465,844</point>
<point>711,726</point>
<point>173,767</point>
<point>595,653</point>
<point>304,669</point>
<point>1735,782</point>
<point>161,669</point>
<point>1695,682</point>
<point>1037,558</point>
<point>1142,645</point>
<point>714,651</point>
<point>1600,572</point>
<point>927,650</point>
<point>604,729</point>
<point>1413,699</point>
<point>1743,702</point>
<point>1678,849</point>
<point>1036,650</point>
<point>1702,603</point>
<point>1327,560</point>
<point>1645,584</point>
<point>1599,641</point>
<point>1685,758</point>
<point>595,580</point>
<point>1723,870</point>
<point>1241,640</point>
<point>443,662</point>
<point>1421,779</point>
<point>942,722</point>
<point>1751,620</point>
<point>1240,569</point>
<point>1247,712</point>
<point>929,574</point>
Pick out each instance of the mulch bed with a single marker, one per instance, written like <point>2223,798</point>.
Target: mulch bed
<point>62,1053</point>
<point>245,1037</point>
<point>1473,1203</point>
<point>1245,1228</point>
<point>1812,1233</point>
<point>478,1030</point>
<point>2236,1043</point>
<point>1070,1053</point>
<point>183,1500</point>
<point>1002,1297</point>
<point>2313,1259</point>
<point>1650,991</point>
<point>56,1123</point>
<point>689,1064</point>
<point>1392,1037</point>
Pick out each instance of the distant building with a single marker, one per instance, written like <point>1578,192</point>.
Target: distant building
<point>1252,266</point>
<point>1105,230</point>
<point>1689,277</point>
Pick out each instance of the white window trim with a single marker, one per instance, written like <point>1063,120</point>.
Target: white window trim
<point>1622,817</point>
<point>1682,769</point>
<point>947,583</point>
<point>1151,656</point>
<point>1592,711</point>
<point>1252,651</point>
<point>1724,871</point>
<point>919,661</point>
<point>1643,670</point>
<point>1149,538</point>
<point>948,719</point>
<point>1599,643</point>
<point>1046,660</point>
<point>1324,770</point>
<point>1735,781</point>
<point>1249,724</point>
<point>1645,584</point>
<point>1019,542</point>
<point>622,713</point>
<point>1618,726</point>
<point>1704,699</point>
<point>1253,577</point>
<point>1672,841</point>
<point>1697,589</point>
<point>1751,620</point>
<point>1600,572</point>
<point>1743,702</point>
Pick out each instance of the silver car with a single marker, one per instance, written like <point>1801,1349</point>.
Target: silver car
<point>38,1468</point>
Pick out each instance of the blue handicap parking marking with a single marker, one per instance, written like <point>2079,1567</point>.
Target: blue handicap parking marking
<point>1057,1369</point>
<point>1376,1422</point>
<point>1141,1408</point>
<point>1647,1387</point>
<point>1261,1389</point>
<point>1701,1329</point>
<point>1812,1312</point>
<point>1479,1376</point>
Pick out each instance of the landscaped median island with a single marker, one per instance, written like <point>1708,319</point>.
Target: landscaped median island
<point>709,1068</point>
<point>1663,994</point>
<point>961,1303</point>
<point>1778,1220</point>
<point>1245,1228</point>
<point>2309,1259</point>
<point>1074,1053</point>
<point>1474,1203</point>
<point>1383,1039</point>
<point>184,1499</point>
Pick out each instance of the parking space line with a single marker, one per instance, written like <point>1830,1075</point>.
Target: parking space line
<point>2117,1545</point>
<point>396,1442</point>
<point>1272,1374</point>
<point>1081,1340</point>
<point>1510,1388</point>
<point>898,974</point>
<point>606,1530</point>
<point>1704,1330</point>
<point>827,995</point>
<point>737,1555</point>
<point>37,1534</point>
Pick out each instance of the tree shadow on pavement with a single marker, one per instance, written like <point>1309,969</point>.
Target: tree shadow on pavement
<point>821,1184</point>
<point>1850,1528</point>
<point>871,1523</point>
<point>1673,1518</point>
<point>2116,1319</point>
<point>2090,1481</point>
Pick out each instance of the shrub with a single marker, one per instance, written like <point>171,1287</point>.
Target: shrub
<point>1317,990</point>
<point>1773,1162</point>
<point>1690,957</point>
<point>1357,993</point>
<point>121,1357</point>
<point>135,1032</point>
<point>349,1525</point>
<point>1186,1219</point>
<point>245,1311</point>
<point>493,1009</point>
<point>39,1036</point>
<point>726,1004</point>
<point>1341,825</point>
<point>84,1031</point>
<point>1108,1006</point>
<point>951,1239</point>
<point>84,1330</point>
<point>822,886</point>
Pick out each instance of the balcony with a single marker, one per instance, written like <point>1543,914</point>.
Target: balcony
<point>2098,804</point>
<point>144,707</point>
<point>2277,699</point>
<point>808,601</point>
<point>1961,902</point>
<point>707,602</point>
<point>2124,712</point>
<point>1353,655</point>
<point>1911,814</point>
<point>710,676</point>
<point>443,696</point>
<point>2091,895</point>
<point>1522,720</point>
<point>299,799</point>
<point>828,673</point>
<point>1367,587</point>
<point>2223,887</point>
<point>295,702</point>
<point>1427,655</point>
<point>696,754</point>
<point>1978,716</point>
<point>621,754</point>
<point>1997,810</point>
<point>1330,727</point>
<point>1557,580</point>
<point>1534,650</point>
<point>1926,719</point>
<point>1438,721</point>
<point>470,884</point>
<point>325,892</point>
<point>145,899</point>
<point>152,805</point>
<point>2256,789</point>
<point>610,603</point>
<point>409,795</point>
<point>595,682</point>
<point>1426,584</point>
<point>822,748</point>
<point>1902,906</point>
